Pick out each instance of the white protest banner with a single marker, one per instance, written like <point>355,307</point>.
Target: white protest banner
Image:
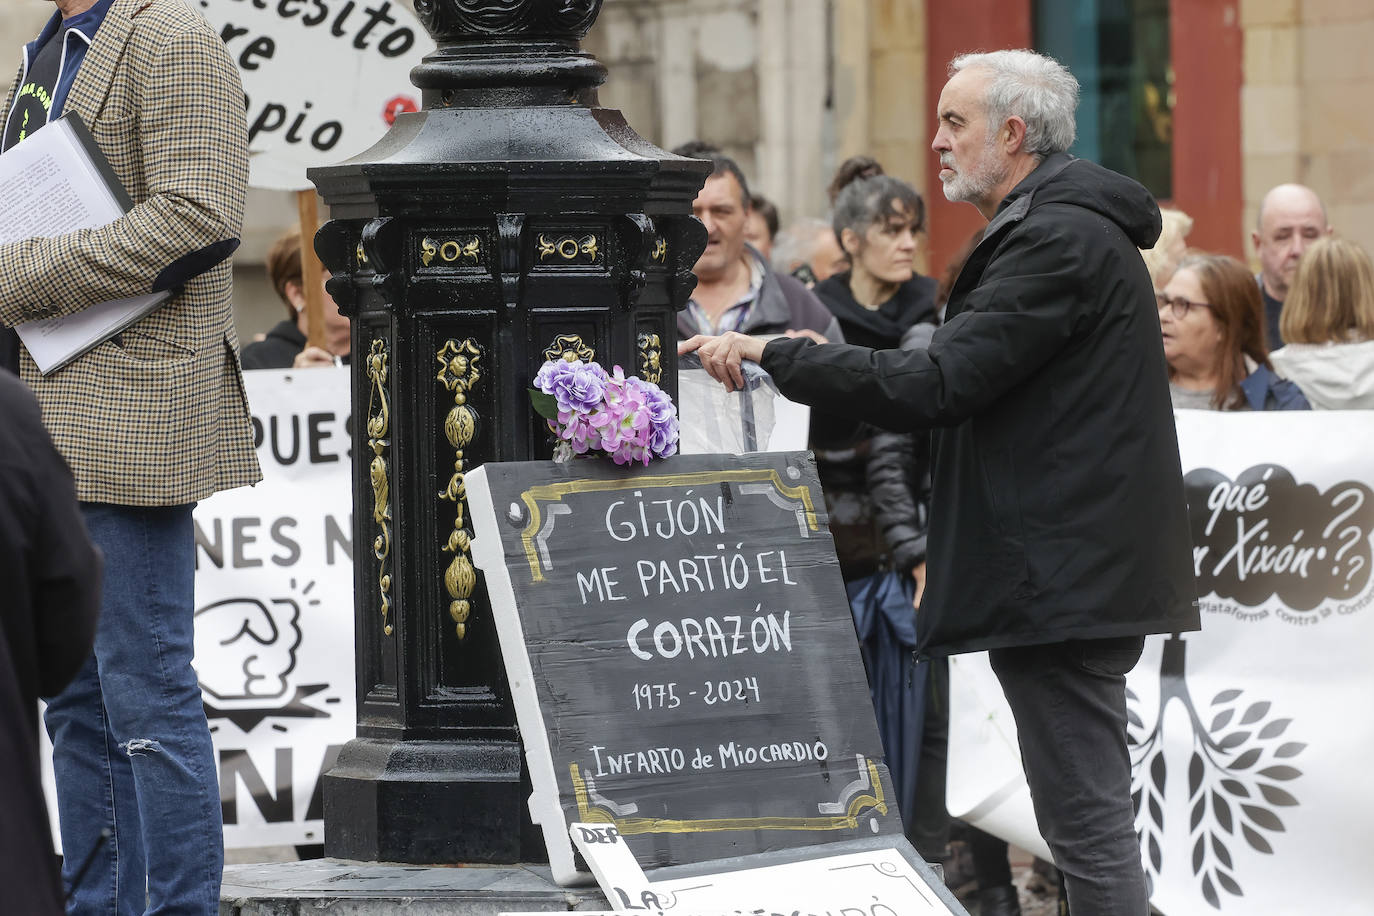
<point>323,79</point>
<point>1248,737</point>
<point>274,611</point>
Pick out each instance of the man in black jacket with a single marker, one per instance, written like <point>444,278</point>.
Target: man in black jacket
<point>1059,533</point>
<point>48,615</point>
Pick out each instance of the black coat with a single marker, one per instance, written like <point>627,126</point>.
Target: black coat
<point>1057,508</point>
<point>48,613</point>
<point>861,516</point>
<point>278,350</point>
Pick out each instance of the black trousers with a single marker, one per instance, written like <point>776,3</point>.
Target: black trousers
<point>1069,703</point>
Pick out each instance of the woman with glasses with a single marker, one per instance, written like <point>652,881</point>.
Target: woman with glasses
<point>1212,319</point>
<point>1328,324</point>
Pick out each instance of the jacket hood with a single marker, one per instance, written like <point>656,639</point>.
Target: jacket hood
<point>1063,179</point>
<point>1334,376</point>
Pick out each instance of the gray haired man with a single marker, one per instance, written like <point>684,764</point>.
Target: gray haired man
<point>1058,526</point>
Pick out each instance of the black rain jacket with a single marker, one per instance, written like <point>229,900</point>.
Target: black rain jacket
<point>48,612</point>
<point>1057,509</point>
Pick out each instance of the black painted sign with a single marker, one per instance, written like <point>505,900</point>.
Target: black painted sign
<point>682,656</point>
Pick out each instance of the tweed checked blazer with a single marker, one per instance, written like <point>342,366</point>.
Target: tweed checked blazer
<point>157,416</point>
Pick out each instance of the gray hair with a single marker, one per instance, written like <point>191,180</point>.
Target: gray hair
<point>867,201</point>
<point>795,244</point>
<point>1037,89</point>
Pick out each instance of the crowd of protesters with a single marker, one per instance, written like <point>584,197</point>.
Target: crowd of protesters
<point>1298,335</point>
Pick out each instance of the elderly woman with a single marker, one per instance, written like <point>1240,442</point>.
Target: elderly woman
<point>1328,323</point>
<point>1212,319</point>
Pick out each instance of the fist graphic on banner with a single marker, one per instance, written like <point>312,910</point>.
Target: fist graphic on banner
<point>254,648</point>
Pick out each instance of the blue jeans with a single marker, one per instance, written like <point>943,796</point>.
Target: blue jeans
<point>132,750</point>
<point>1069,703</point>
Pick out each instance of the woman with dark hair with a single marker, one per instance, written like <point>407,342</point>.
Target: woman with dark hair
<point>881,301</point>
<point>1212,319</point>
<point>878,221</point>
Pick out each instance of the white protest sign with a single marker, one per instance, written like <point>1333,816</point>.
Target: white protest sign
<point>274,610</point>
<point>274,613</point>
<point>1247,738</point>
<point>616,871</point>
<point>324,79</point>
<point>873,883</point>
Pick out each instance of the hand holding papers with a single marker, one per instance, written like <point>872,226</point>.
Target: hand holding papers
<point>55,182</point>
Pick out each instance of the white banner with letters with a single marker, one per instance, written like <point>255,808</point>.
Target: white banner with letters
<point>274,613</point>
<point>1248,737</point>
<point>323,80</point>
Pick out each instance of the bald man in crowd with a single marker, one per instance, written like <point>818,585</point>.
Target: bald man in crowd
<point>1291,217</point>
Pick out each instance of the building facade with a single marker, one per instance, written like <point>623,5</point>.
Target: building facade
<point>1209,102</point>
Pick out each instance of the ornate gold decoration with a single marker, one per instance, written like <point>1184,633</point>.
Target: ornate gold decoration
<point>450,251</point>
<point>568,247</point>
<point>660,253</point>
<point>869,797</point>
<point>535,497</point>
<point>360,254</point>
<point>459,373</point>
<point>378,428</point>
<point>650,357</point>
<point>569,347</point>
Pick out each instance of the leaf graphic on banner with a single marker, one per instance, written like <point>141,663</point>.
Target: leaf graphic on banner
<point>1223,811</point>
<point>1222,855</point>
<point>1209,892</point>
<point>1235,739</point>
<point>1263,817</point>
<point>1255,840</point>
<point>1233,770</point>
<point>1276,796</point>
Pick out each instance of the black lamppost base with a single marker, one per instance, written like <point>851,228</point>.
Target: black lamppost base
<point>428,803</point>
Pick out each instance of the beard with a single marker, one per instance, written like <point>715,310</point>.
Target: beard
<point>977,180</point>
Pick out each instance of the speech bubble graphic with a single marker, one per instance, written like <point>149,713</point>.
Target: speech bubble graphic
<point>1264,535</point>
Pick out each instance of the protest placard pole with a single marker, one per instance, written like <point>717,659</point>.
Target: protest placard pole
<point>310,270</point>
<point>509,221</point>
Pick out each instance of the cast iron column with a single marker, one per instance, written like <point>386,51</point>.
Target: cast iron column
<point>510,221</point>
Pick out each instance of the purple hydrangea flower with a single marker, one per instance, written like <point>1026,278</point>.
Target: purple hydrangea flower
<point>575,385</point>
<point>628,418</point>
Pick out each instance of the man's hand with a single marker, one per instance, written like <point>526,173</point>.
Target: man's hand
<point>721,356</point>
<point>313,358</point>
<point>918,572</point>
